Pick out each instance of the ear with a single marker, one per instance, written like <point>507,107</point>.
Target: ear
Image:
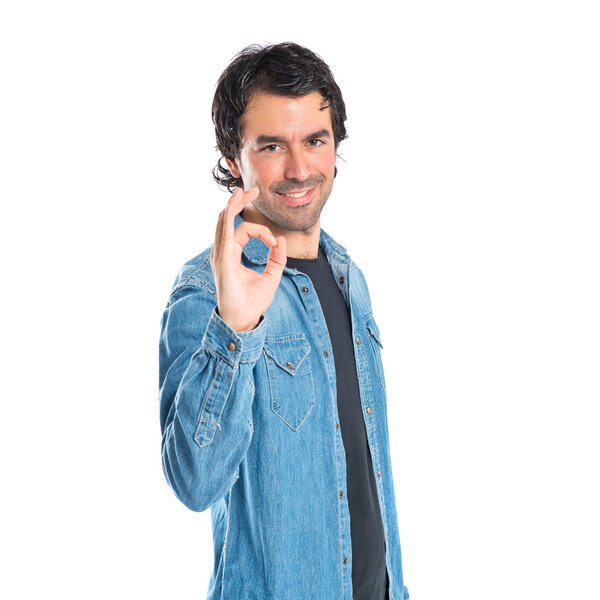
<point>233,167</point>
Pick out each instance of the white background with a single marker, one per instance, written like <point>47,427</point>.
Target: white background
<point>468,194</point>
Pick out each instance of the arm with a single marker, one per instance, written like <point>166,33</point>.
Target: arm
<point>206,393</point>
<point>207,358</point>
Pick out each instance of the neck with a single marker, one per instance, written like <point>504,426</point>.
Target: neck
<point>299,244</point>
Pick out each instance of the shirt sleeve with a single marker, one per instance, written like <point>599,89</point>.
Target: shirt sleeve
<point>206,389</point>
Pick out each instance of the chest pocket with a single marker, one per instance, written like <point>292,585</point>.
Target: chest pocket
<point>376,344</point>
<point>290,378</point>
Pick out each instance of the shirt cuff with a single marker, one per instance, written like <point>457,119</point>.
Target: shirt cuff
<point>233,346</point>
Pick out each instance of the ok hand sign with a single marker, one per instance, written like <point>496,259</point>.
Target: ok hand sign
<point>243,295</point>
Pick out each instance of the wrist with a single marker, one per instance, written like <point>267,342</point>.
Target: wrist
<point>238,326</point>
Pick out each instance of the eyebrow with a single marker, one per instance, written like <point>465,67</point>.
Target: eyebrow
<point>272,139</point>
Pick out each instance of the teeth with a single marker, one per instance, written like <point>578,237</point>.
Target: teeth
<point>294,195</point>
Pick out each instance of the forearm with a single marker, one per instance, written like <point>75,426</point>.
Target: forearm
<point>207,429</point>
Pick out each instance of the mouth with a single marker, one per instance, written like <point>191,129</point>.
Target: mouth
<point>296,198</point>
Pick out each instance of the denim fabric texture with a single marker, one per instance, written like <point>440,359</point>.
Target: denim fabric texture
<point>250,430</point>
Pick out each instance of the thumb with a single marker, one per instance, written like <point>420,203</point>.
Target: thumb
<point>277,260</point>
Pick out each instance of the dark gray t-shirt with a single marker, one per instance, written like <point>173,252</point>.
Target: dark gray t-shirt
<point>369,573</point>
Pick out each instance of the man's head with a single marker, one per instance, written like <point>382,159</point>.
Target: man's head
<point>279,118</point>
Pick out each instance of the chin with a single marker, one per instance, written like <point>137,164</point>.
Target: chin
<point>298,226</point>
<point>292,224</point>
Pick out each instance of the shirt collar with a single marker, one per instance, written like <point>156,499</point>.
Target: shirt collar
<point>257,251</point>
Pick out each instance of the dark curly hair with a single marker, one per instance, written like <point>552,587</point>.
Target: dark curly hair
<point>286,69</point>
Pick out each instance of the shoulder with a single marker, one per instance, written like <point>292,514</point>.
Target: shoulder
<point>196,274</point>
<point>336,251</point>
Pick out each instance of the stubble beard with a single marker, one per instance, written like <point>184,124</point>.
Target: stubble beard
<point>295,218</point>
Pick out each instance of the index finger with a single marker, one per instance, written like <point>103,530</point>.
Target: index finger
<point>237,192</point>
<point>234,207</point>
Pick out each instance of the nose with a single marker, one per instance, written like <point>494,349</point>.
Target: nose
<point>296,165</point>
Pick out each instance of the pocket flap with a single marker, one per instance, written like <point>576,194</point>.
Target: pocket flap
<point>288,353</point>
<point>374,330</point>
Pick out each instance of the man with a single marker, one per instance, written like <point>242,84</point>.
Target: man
<point>272,392</point>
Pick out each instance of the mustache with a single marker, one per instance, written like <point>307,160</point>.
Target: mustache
<point>297,186</point>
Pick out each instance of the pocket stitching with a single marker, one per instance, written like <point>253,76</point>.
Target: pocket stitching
<point>294,370</point>
<point>373,335</point>
<point>274,385</point>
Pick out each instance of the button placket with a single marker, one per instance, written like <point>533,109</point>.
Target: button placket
<point>326,353</point>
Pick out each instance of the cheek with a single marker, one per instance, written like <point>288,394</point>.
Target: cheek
<point>258,172</point>
<point>267,173</point>
<point>325,164</point>
<point>326,158</point>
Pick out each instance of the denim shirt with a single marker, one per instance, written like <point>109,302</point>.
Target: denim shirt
<point>250,428</point>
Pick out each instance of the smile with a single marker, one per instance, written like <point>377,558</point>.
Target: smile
<point>297,195</point>
<point>297,198</point>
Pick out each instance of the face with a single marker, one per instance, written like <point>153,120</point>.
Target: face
<point>288,151</point>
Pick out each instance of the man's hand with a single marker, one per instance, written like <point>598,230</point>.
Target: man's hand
<point>243,295</point>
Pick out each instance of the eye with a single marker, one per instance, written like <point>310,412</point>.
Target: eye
<point>315,143</point>
<point>269,148</point>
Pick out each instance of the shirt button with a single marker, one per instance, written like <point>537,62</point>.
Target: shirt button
<point>358,341</point>
<point>387,537</point>
<point>326,354</point>
<point>231,346</point>
<point>369,409</point>
<point>345,560</point>
<point>337,425</point>
<point>378,473</point>
<point>289,365</point>
<point>305,289</point>
<point>341,279</point>
<point>341,493</point>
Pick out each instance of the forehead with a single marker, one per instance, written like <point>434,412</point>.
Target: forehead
<point>289,117</point>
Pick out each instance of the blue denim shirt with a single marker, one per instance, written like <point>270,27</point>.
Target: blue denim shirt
<point>250,429</point>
